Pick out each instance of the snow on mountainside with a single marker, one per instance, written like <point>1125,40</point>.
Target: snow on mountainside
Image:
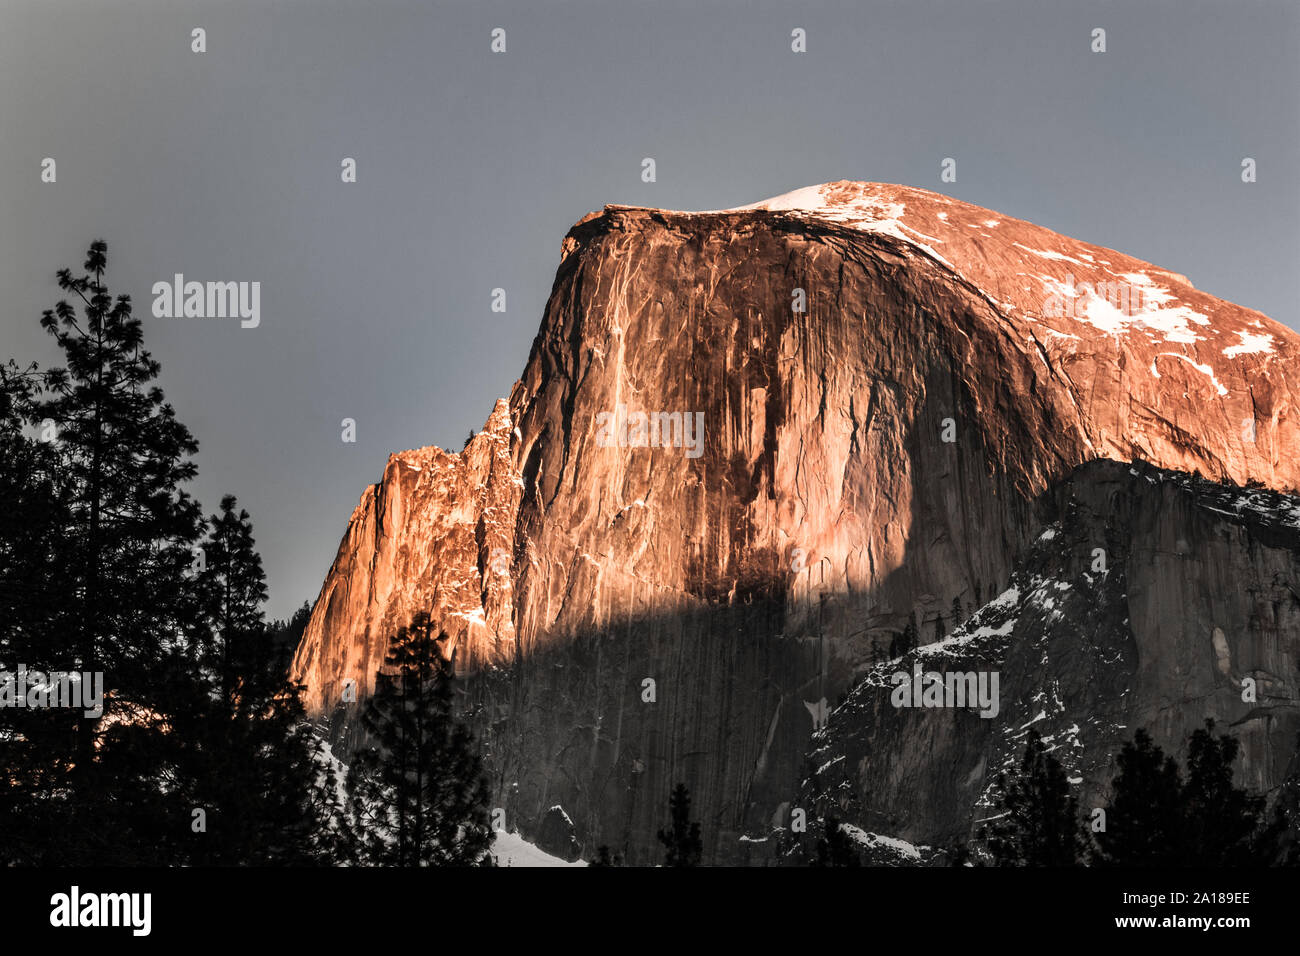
<point>891,384</point>
<point>510,849</point>
<point>1031,277</point>
<point>1088,647</point>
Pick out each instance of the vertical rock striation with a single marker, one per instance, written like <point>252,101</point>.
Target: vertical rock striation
<point>889,382</point>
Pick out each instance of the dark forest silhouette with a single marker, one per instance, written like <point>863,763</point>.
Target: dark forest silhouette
<point>202,754</point>
<point>1157,815</point>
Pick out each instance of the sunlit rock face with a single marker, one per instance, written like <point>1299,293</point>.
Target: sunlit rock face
<point>747,447</point>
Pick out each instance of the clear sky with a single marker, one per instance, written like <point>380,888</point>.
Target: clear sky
<point>376,296</point>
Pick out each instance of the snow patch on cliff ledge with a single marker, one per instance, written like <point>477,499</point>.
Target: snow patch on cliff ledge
<point>1165,305</point>
<point>511,850</point>
<point>863,206</point>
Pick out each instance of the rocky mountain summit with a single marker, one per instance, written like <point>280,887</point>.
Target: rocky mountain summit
<point>751,445</point>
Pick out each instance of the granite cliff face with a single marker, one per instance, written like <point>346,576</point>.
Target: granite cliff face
<point>892,387</point>
<point>1149,599</point>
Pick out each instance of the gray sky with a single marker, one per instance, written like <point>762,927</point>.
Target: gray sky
<point>375,303</point>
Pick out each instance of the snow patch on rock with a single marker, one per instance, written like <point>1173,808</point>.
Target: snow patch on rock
<point>510,849</point>
<point>901,848</point>
<point>1251,343</point>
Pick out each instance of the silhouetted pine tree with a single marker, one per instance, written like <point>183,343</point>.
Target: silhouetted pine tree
<point>836,847</point>
<point>1222,822</point>
<point>35,526</point>
<point>1037,817</point>
<point>957,616</point>
<point>96,574</point>
<point>288,633</point>
<point>939,632</point>
<point>417,796</point>
<point>1155,819</point>
<point>37,600</point>
<point>1144,825</point>
<point>249,761</point>
<point>910,638</point>
<point>125,460</point>
<point>682,843</point>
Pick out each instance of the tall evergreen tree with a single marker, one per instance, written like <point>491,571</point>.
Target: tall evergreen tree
<point>417,795</point>
<point>36,600</point>
<point>124,459</point>
<point>1036,817</point>
<point>910,638</point>
<point>232,585</point>
<point>128,458</point>
<point>249,762</point>
<point>288,633</point>
<point>1222,821</point>
<point>682,843</point>
<point>1144,825</point>
<point>1157,819</point>
<point>96,546</point>
<point>34,525</point>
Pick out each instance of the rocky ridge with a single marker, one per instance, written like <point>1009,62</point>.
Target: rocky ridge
<point>884,452</point>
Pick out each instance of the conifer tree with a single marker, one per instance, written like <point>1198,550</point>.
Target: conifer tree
<point>1036,817</point>
<point>417,795</point>
<point>249,761</point>
<point>124,460</point>
<point>1156,819</point>
<point>36,598</point>
<point>128,458</point>
<point>911,637</point>
<point>1144,825</point>
<point>682,843</point>
<point>1221,821</point>
<point>34,525</point>
<point>288,633</point>
<point>96,552</point>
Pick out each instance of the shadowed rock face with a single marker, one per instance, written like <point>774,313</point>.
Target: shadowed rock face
<point>1196,594</point>
<point>881,453</point>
